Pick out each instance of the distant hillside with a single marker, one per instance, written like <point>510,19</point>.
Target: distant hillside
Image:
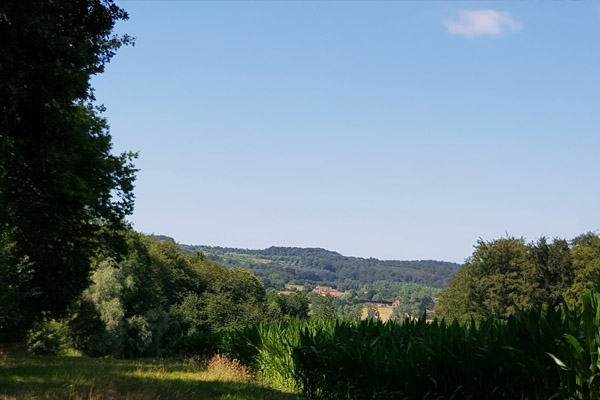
<point>277,266</point>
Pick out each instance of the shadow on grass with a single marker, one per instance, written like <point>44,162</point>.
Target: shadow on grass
<point>89,378</point>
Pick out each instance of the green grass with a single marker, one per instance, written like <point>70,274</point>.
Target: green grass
<point>23,376</point>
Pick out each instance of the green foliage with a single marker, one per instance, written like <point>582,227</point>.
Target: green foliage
<point>578,354</point>
<point>169,273</point>
<point>233,298</point>
<point>508,272</point>
<point>188,314</point>
<point>348,311</point>
<point>532,354</point>
<point>49,337</point>
<point>14,273</point>
<point>198,343</point>
<point>287,306</point>
<point>412,283</point>
<point>106,295</point>
<point>156,299</point>
<point>495,271</point>
<point>24,376</point>
<point>274,357</point>
<point>277,266</point>
<point>370,359</point>
<point>414,298</point>
<point>397,314</point>
<point>63,193</point>
<point>585,255</point>
<point>269,347</point>
<point>123,313</point>
<point>372,312</point>
<point>322,307</point>
<point>539,353</point>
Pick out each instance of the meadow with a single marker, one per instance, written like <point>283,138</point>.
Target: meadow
<point>76,377</point>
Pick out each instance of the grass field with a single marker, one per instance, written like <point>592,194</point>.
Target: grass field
<point>298,288</point>
<point>385,312</point>
<point>23,376</point>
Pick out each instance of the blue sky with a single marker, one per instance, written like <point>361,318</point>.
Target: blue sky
<point>396,130</point>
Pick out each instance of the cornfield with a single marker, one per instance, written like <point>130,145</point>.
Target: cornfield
<point>534,354</point>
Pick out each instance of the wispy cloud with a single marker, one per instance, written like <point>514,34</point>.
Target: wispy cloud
<point>482,23</point>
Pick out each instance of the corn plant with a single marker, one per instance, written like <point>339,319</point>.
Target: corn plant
<point>543,353</point>
<point>414,359</point>
<point>275,353</point>
<point>577,354</point>
<point>242,344</point>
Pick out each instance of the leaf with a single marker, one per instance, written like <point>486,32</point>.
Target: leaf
<point>574,343</point>
<point>558,362</point>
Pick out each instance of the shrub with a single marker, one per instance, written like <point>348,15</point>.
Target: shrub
<point>49,337</point>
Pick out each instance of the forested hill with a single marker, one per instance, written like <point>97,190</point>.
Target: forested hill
<point>277,266</point>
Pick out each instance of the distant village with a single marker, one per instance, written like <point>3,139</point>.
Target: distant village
<point>385,308</point>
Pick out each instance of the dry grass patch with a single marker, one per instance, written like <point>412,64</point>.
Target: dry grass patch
<point>221,368</point>
<point>385,312</point>
<point>298,288</point>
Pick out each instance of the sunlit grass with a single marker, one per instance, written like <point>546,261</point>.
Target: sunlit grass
<point>385,312</point>
<point>23,376</point>
<point>217,369</point>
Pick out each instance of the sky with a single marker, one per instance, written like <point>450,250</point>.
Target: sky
<point>389,129</point>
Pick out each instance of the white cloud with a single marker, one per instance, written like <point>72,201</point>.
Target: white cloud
<point>482,23</point>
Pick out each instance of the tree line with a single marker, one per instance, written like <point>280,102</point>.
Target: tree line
<point>277,266</point>
<point>156,295</point>
<point>506,273</point>
<point>64,195</point>
<point>68,258</point>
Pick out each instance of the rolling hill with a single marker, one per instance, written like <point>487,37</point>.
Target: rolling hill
<point>277,266</point>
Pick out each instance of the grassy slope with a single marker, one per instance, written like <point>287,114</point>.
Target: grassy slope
<point>23,376</point>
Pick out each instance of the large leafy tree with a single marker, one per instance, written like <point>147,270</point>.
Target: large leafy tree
<point>63,193</point>
<point>586,265</point>
<point>507,272</point>
<point>490,281</point>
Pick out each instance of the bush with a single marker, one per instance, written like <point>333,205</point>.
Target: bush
<point>49,337</point>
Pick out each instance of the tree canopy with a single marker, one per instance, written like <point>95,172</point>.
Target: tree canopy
<point>156,297</point>
<point>63,193</point>
<point>277,266</point>
<point>508,272</point>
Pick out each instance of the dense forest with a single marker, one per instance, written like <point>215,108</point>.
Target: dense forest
<point>277,266</point>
